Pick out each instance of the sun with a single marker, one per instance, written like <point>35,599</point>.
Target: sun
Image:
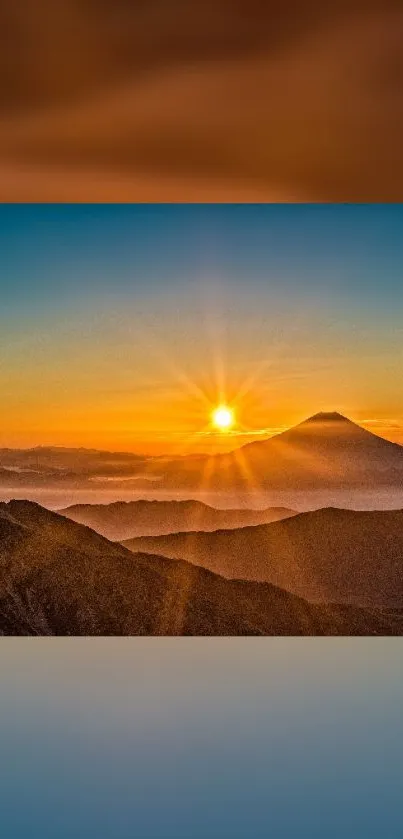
<point>223,418</point>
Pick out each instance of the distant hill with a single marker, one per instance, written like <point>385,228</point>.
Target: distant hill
<point>123,520</point>
<point>326,450</point>
<point>54,459</point>
<point>70,468</point>
<point>60,578</point>
<point>328,555</point>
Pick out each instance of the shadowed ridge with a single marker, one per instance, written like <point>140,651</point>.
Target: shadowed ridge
<point>124,520</point>
<point>140,503</point>
<point>10,527</point>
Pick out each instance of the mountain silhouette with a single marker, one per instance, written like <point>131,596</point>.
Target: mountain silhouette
<point>123,520</point>
<point>60,578</point>
<point>326,450</point>
<point>329,555</point>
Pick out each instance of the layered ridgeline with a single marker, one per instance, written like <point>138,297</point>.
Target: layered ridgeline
<point>123,520</point>
<point>326,450</point>
<point>47,466</point>
<point>329,555</point>
<point>60,578</point>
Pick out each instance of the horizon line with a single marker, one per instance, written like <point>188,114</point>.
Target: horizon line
<point>268,433</point>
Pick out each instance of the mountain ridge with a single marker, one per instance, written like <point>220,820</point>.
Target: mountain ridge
<point>61,578</point>
<point>122,520</point>
<point>325,450</point>
<point>324,555</point>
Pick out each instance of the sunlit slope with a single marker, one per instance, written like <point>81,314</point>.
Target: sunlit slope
<point>325,451</point>
<point>328,555</point>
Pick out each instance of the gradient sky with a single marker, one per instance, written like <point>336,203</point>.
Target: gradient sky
<point>121,326</point>
<point>228,738</point>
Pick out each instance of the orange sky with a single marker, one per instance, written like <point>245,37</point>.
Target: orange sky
<point>123,326</point>
<point>63,388</point>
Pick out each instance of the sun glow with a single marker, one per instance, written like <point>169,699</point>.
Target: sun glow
<point>223,418</point>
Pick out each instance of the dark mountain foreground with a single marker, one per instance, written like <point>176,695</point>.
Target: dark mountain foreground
<point>328,555</point>
<point>122,520</point>
<point>60,578</point>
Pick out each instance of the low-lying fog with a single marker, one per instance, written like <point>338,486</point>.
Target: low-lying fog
<point>380,499</point>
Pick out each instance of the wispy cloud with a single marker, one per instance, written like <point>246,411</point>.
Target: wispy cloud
<point>383,423</point>
<point>258,432</point>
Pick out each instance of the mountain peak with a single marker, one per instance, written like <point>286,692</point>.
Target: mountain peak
<point>330,416</point>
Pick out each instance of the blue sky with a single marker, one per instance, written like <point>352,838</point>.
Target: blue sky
<point>358,246</point>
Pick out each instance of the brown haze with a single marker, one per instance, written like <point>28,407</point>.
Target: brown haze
<point>201,100</point>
